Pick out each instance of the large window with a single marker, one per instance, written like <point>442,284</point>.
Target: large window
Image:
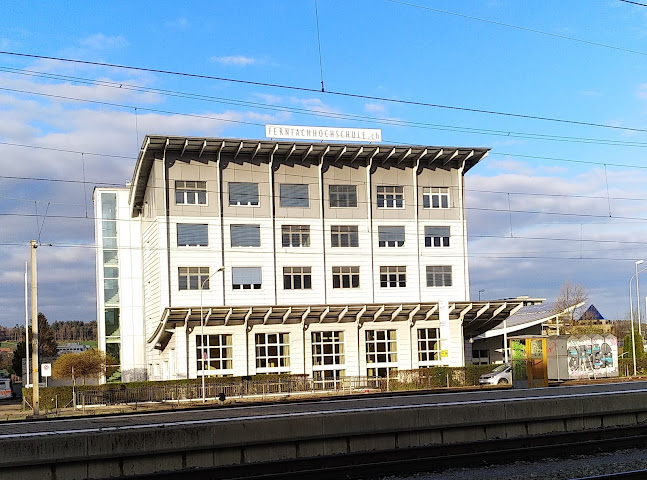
<point>245,235</point>
<point>435,197</point>
<point>390,196</point>
<point>428,346</point>
<point>112,322</point>
<point>328,359</point>
<point>439,276</point>
<point>295,235</point>
<point>344,236</point>
<point>345,277</point>
<point>391,277</point>
<point>294,195</point>
<point>343,195</point>
<point>297,278</point>
<point>390,236</point>
<point>189,192</point>
<point>243,193</point>
<point>111,285</point>
<point>437,236</point>
<point>381,353</point>
<point>192,235</point>
<point>193,278</point>
<point>272,352</point>
<point>246,278</point>
<point>215,354</point>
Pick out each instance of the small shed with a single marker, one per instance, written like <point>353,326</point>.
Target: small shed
<point>529,361</point>
<point>576,357</point>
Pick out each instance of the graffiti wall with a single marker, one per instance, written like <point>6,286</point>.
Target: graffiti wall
<point>582,357</point>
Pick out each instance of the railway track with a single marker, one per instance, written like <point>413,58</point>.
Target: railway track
<point>436,458</point>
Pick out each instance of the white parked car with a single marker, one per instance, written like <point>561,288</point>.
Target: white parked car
<point>501,375</point>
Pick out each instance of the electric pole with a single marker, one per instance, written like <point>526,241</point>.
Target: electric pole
<point>34,329</point>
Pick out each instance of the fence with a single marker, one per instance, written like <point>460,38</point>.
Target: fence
<point>438,377</point>
<point>216,390</point>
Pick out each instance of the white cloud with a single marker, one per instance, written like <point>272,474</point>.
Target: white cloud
<point>237,60</point>
<point>99,41</point>
<point>178,23</point>
<point>375,108</point>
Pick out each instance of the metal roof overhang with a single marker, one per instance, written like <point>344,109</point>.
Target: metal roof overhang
<point>500,329</point>
<point>476,317</point>
<point>239,150</point>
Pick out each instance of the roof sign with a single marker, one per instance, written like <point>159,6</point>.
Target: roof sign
<point>324,133</point>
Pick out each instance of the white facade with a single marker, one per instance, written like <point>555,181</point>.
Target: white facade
<point>311,231</point>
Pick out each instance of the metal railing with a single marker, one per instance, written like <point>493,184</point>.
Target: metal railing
<point>215,390</point>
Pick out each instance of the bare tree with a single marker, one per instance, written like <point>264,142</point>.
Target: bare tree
<point>569,304</point>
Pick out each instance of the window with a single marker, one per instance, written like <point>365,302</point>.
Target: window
<point>215,353</point>
<point>112,322</point>
<point>480,357</point>
<point>390,236</point>
<point>243,193</point>
<point>192,235</point>
<point>343,195</point>
<point>439,276</point>
<point>190,192</point>
<point>294,195</point>
<point>193,278</point>
<point>245,235</point>
<point>381,353</point>
<point>393,277</point>
<point>111,285</point>
<point>295,235</point>
<point>435,197</point>
<point>246,278</point>
<point>344,236</point>
<point>297,278</point>
<point>272,352</point>
<point>328,359</point>
<point>436,236</point>
<point>428,346</point>
<point>345,277</point>
<point>390,197</point>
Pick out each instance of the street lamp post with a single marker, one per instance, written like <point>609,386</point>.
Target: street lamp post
<point>631,310</point>
<point>631,317</point>
<point>481,290</point>
<point>638,298</point>
<point>221,269</point>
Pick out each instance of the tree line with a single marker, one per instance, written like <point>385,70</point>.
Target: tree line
<point>72,330</point>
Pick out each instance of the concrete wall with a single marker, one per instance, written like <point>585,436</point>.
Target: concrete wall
<point>130,451</point>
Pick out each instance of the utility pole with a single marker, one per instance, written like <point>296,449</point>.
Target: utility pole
<point>34,329</point>
<point>26,382</point>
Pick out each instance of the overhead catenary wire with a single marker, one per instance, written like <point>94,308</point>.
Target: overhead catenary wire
<point>352,117</point>
<point>525,29</point>
<point>328,92</point>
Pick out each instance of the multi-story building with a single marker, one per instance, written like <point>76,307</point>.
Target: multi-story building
<point>240,257</point>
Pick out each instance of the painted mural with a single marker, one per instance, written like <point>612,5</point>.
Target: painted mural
<point>592,356</point>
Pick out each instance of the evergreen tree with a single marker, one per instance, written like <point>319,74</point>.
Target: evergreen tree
<point>627,346</point>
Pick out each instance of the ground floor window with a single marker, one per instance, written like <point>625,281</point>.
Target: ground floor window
<point>215,354</point>
<point>328,360</point>
<point>480,357</point>
<point>328,379</point>
<point>272,352</point>
<point>381,352</point>
<point>428,346</point>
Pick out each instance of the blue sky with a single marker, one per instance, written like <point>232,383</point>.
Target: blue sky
<point>554,201</point>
